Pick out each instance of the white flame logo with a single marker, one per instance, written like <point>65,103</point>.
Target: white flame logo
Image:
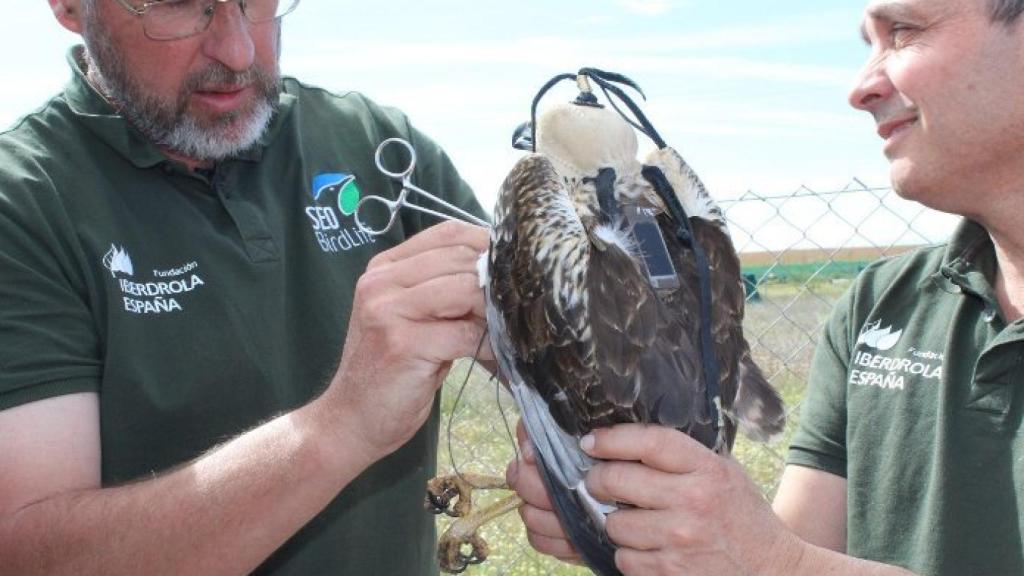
<point>874,336</point>
<point>117,260</point>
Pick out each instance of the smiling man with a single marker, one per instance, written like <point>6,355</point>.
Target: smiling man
<point>180,272</point>
<point>908,454</point>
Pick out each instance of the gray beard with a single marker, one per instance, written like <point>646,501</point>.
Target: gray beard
<point>168,124</point>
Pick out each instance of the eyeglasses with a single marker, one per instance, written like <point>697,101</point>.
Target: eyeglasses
<point>176,19</point>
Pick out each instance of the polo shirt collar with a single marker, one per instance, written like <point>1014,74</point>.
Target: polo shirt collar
<point>96,113</point>
<point>969,263</point>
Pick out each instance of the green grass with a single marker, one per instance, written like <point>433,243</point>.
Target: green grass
<point>801,273</point>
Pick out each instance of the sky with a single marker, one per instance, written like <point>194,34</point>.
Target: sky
<point>752,93</point>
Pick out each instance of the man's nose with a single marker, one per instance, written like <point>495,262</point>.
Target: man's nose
<point>871,86</point>
<point>228,40</point>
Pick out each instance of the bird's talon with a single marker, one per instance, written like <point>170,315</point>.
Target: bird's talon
<point>437,503</point>
<point>448,495</point>
<point>460,546</point>
<point>455,555</point>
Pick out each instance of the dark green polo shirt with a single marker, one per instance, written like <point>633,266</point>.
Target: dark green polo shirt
<point>915,399</point>
<point>198,305</point>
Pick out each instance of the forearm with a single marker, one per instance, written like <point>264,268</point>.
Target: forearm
<point>223,513</point>
<point>817,561</point>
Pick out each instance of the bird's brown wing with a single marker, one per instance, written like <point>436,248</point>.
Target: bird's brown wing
<point>755,406</point>
<point>535,244</point>
<point>648,365</point>
<point>726,309</point>
<point>746,395</point>
<point>590,334</point>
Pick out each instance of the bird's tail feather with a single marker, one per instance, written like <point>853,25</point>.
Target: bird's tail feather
<point>589,539</point>
<point>563,466</point>
<point>758,408</point>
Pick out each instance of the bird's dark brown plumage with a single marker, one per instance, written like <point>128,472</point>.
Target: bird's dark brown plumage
<point>583,337</point>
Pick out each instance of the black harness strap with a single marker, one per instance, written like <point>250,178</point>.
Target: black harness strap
<point>685,234</point>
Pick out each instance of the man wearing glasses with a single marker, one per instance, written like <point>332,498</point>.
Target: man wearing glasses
<point>178,278</point>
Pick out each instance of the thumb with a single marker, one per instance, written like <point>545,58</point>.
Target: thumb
<point>512,473</point>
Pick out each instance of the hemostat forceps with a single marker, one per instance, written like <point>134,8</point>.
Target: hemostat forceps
<point>393,206</point>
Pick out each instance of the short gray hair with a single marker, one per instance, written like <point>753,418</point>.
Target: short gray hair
<point>1006,11</point>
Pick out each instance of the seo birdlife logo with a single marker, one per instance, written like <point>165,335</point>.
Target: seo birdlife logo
<point>335,198</point>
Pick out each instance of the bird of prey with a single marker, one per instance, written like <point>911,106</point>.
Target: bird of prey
<point>614,295</point>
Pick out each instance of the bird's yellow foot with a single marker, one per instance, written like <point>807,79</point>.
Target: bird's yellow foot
<point>460,546</point>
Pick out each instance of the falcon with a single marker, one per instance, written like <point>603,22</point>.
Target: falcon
<point>613,295</point>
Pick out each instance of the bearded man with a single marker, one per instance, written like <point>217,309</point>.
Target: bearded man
<point>180,272</point>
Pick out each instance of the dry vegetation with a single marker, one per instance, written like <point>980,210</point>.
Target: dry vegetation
<point>808,256</point>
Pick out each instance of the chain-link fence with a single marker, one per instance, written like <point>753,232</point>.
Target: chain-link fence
<point>800,251</point>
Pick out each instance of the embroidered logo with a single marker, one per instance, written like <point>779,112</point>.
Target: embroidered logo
<point>336,196</point>
<point>873,367</point>
<point>882,339</point>
<point>167,291</point>
<point>344,185</point>
<point>117,261</point>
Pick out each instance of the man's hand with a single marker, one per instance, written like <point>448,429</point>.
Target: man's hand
<point>417,308</point>
<point>695,512</point>
<point>542,527</point>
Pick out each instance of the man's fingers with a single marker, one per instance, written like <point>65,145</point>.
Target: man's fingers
<point>635,484</point>
<point>659,447</point>
<point>441,342</point>
<point>451,296</point>
<point>429,264</point>
<point>442,299</point>
<point>525,445</point>
<point>641,529</point>
<point>525,480</point>
<point>448,233</point>
<point>632,562</point>
<point>557,547</point>
<point>543,522</point>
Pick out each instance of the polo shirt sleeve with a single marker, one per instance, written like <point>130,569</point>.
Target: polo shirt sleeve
<point>48,338</point>
<point>820,439</point>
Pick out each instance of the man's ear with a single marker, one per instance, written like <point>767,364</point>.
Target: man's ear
<point>68,13</point>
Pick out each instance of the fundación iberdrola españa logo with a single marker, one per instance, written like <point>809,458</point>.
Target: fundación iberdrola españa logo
<point>875,365</point>
<point>117,260</point>
<point>160,291</point>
